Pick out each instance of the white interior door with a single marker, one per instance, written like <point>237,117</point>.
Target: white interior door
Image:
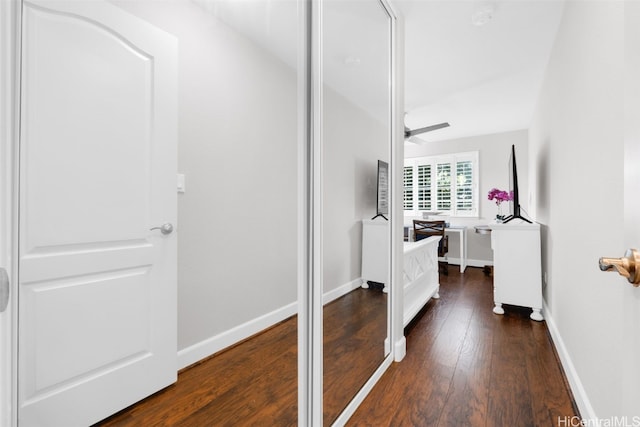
<point>631,296</point>
<point>97,287</point>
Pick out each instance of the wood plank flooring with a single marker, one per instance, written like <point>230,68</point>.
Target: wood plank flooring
<point>255,382</point>
<point>355,327</point>
<point>465,366</point>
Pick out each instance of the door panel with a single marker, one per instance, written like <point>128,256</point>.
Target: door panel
<point>100,193</point>
<point>630,378</point>
<point>97,303</point>
<point>51,344</point>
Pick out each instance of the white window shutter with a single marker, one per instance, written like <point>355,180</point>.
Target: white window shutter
<point>447,184</point>
<point>408,188</point>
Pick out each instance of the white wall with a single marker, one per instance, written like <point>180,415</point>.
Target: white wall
<point>237,129</point>
<point>355,130</point>
<point>248,109</point>
<point>576,152</point>
<point>353,143</point>
<point>494,151</point>
<point>238,245</point>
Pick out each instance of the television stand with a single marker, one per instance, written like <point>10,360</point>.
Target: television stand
<point>378,216</point>
<point>512,217</point>
<point>517,278</point>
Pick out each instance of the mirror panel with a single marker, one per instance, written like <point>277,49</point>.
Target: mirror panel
<point>356,135</point>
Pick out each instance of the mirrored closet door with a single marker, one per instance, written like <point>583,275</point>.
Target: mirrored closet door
<point>356,146</point>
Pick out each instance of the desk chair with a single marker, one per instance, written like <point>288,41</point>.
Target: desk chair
<point>423,229</point>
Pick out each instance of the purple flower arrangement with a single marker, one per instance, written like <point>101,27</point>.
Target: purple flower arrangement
<point>500,196</point>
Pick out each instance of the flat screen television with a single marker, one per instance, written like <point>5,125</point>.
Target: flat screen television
<point>514,204</point>
<point>382,198</point>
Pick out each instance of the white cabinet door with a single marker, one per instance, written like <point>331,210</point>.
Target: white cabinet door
<point>97,287</point>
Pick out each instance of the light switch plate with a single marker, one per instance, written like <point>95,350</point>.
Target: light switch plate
<point>181,187</point>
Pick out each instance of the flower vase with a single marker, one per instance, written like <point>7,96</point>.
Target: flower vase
<point>499,216</point>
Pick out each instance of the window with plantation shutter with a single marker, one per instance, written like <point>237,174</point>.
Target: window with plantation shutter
<point>408,188</point>
<point>464,186</point>
<point>446,184</point>
<point>424,187</point>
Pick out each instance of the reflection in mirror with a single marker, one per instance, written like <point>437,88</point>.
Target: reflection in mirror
<point>356,136</point>
<point>237,219</point>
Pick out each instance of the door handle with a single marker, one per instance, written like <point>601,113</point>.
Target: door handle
<point>166,228</point>
<point>626,266</point>
<point>5,289</point>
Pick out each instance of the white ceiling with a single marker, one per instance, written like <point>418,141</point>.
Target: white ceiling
<point>481,79</point>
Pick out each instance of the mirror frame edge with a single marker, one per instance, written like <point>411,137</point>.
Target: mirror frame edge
<point>397,338</point>
<point>310,351</point>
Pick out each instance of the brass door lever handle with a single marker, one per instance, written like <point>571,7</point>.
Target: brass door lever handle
<point>626,266</point>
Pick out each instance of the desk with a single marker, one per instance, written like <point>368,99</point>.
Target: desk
<point>461,230</point>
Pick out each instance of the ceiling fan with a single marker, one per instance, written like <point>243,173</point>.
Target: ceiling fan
<point>410,133</point>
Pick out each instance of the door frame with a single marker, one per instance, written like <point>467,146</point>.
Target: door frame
<point>9,120</point>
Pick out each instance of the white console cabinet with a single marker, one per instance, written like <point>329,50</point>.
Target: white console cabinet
<point>517,267</point>
<point>375,252</point>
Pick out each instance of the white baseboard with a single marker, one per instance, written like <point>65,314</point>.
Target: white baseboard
<point>203,349</point>
<point>470,262</point>
<point>479,262</point>
<point>340,291</point>
<point>579,393</point>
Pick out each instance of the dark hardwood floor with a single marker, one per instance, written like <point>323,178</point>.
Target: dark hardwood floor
<point>255,382</point>
<point>465,366</point>
<point>355,327</point>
